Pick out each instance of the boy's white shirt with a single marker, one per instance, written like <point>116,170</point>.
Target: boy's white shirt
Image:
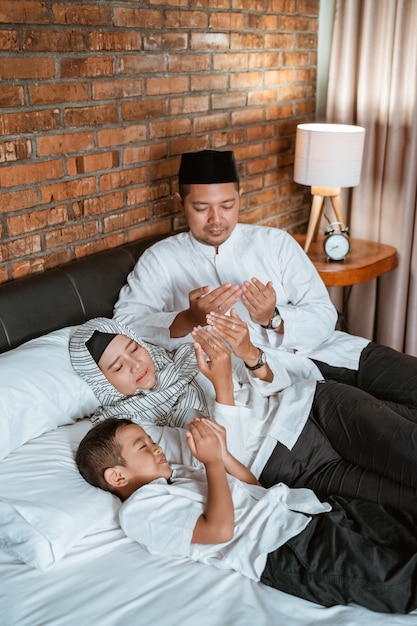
<point>161,517</point>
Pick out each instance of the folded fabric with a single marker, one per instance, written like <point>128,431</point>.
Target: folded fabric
<point>39,390</point>
<point>45,504</point>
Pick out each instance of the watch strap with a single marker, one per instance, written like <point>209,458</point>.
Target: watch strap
<point>261,362</point>
<point>269,325</point>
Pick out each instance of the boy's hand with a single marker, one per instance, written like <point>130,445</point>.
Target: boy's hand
<point>236,332</point>
<point>203,442</point>
<point>220,432</point>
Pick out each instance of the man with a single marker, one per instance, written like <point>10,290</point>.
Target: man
<point>266,277</point>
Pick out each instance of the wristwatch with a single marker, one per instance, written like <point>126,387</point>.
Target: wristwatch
<point>260,363</point>
<point>274,322</point>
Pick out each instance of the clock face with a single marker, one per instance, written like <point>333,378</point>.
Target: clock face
<point>336,246</point>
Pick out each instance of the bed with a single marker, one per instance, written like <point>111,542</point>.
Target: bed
<point>63,558</point>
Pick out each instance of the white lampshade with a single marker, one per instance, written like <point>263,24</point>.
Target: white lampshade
<point>328,155</point>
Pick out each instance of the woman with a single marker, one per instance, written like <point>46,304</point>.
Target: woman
<point>330,437</point>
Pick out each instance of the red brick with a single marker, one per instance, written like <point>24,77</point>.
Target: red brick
<point>142,64</point>
<point>58,92</point>
<point>227,21</point>
<point>11,96</point>
<point>191,144</point>
<point>4,275</point>
<point>40,264</point>
<point>186,19</point>
<point>96,115</point>
<point>264,96</point>
<point>112,89</point>
<point>306,41</point>
<point>28,122</point>
<point>165,41</point>
<point>138,195</point>
<point>248,117</point>
<point>210,41</point>
<point>153,229</point>
<point>91,66</point>
<point>211,122</point>
<point>17,68</point>
<point>16,175</point>
<point>126,219</point>
<point>235,61</point>
<point>54,41</point>
<point>261,132</point>
<point>15,150</point>
<point>144,109</point>
<point>68,190</point>
<point>141,154</point>
<point>36,220</point>
<point>280,111</point>
<point>263,22</point>
<point>279,41</point>
<point>124,178</point>
<point>30,11</point>
<point>96,162</point>
<point>278,77</point>
<point>121,135</point>
<point>98,245</point>
<point>63,144</point>
<point>117,41</point>
<point>137,18</point>
<point>230,100</point>
<point>169,128</point>
<point>16,200</point>
<point>188,104</point>
<point>264,60</point>
<point>9,40</point>
<point>240,80</point>
<point>189,63</point>
<point>18,248</point>
<point>98,205</point>
<point>284,6</point>
<point>209,82</point>
<point>87,14</point>
<point>159,86</point>
<point>247,41</point>
<point>69,234</point>
<point>228,138</point>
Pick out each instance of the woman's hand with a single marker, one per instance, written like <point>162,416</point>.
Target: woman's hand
<point>218,367</point>
<point>236,333</point>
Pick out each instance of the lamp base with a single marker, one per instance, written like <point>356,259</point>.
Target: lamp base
<point>319,194</point>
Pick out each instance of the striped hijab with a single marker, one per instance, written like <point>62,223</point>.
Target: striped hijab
<point>175,395</point>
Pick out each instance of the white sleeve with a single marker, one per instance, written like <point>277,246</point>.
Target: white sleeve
<point>145,303</point>
<point>308,313</point>
<point>236,421</point>
<point>160,520</point>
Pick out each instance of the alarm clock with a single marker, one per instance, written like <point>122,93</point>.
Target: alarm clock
<point>336,243</point>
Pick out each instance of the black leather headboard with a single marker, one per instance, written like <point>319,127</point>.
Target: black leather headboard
<point>67,295</point>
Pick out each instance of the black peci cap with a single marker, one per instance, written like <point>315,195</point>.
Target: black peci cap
<point>208,167</point>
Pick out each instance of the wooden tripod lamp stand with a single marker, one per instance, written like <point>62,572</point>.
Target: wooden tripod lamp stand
<point>327,157</point>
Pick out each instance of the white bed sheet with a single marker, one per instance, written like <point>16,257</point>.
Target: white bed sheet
<point>108,580</point>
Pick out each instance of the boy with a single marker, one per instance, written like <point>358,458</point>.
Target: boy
<point>217,513</point>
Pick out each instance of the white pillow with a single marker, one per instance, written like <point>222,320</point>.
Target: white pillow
<point>45,504</point>
<point>39,390</point>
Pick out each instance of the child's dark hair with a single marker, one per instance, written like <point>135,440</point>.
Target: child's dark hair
<point>99,450</point>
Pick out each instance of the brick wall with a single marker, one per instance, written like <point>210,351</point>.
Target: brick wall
<point>99,98</point>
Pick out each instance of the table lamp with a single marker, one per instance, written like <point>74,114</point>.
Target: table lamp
<point>327,157</point>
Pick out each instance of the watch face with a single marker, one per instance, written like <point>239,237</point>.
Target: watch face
<point>336,246</point>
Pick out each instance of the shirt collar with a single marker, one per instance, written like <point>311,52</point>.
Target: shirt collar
<point>210,251</point>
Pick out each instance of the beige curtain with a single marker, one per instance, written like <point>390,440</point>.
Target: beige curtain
<point>373,83</point>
